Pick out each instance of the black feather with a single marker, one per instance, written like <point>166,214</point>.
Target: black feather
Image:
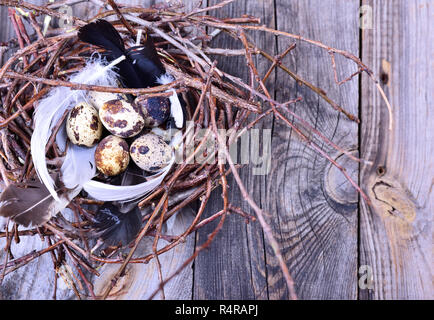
<point>115,228</point>
<point>148,65</point>
<point>140,69</point>
<point>102,34</point>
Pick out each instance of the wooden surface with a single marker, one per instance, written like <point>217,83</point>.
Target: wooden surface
<point>395,232</point>
<point>326,233</point>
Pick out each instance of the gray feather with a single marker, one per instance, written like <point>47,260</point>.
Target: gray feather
<point>31,203</point>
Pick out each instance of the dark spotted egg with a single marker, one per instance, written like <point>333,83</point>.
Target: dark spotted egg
<point>150,152</point>
<point>121,118</point>
<point>83,126</point>
<point>111,156</point>
<point>155,110</point>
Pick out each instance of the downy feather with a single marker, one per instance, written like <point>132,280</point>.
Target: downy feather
<point>79,168</point>
<point>141,67</point>
<point>51,108</point>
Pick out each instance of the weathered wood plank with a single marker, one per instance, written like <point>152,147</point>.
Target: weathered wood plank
<point>395,232</point>
<point>234,266</point>
<point>34,281</point>
<point>313,208</point>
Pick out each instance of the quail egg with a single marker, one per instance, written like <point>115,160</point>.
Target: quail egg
<point>150,152</point>
<point>98,98</point>
<point>121,118</point>
<point>155,110</point>
<point>111,155</point>
<point>83,126</point>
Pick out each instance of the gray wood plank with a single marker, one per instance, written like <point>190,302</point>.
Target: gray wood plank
<point>34,281</point>
<point>395,232</point>
<point>234,265</point>
<point>313,208</point>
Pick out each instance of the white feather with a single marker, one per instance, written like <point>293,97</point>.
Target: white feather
<point>107,192</point>
<point>175,104</point>
<point>78,168</point>
<point>51,108</point>
<point>46,115</point>
<point>61,138</point>
<point>139,37</point>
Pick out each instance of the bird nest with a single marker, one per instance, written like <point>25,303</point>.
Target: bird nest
<point>215,100</point>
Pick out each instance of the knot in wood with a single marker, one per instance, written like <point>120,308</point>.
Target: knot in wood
<point>337,185</point>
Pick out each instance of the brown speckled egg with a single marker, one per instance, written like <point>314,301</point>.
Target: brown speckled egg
<point>97,99</point>
<point>111,156</point>
<point>150,152</point>
<point>121,118</point>
<point>155,110</point>
<point>83,126</point>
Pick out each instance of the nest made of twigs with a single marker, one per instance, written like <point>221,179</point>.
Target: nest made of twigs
<point>215,100</point>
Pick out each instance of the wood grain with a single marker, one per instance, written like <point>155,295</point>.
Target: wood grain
<point>34,281</point>
<point>234,265</point>
<point>395,232</point>
<point>313,209</point>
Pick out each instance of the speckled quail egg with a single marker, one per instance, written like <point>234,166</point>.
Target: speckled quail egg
<point>83,126</point>
<point>111,155</point>
<point>150,152</point>
<point>155,110</point>
<point>121,118</point>
<point>97,99</point>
